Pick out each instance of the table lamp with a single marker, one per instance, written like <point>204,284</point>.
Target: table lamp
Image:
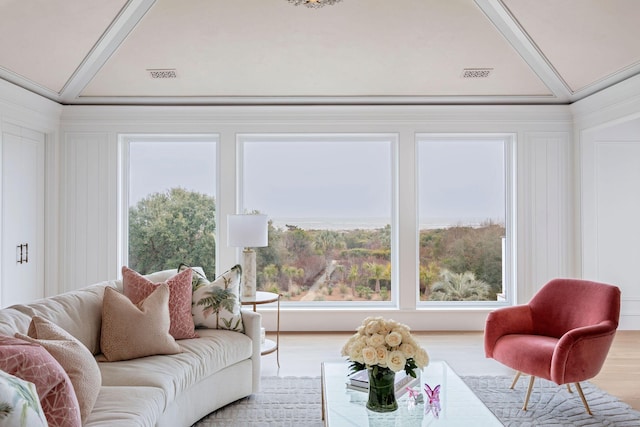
<point>248,231</point>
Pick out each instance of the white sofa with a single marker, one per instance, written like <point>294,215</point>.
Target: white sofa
<point>213,370</point>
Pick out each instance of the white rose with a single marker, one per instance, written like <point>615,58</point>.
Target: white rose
<point>408,350</point>
<point>382,355</point>
<point>393,339</point>
<point>372,327</point>
<point>396,361</point>
<point>369,355</point>
<point>421,358</point>
<point>375,340</point>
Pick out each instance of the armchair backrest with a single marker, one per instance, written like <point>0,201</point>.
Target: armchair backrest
<point>565,304</point>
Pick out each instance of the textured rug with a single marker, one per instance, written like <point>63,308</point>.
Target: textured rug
<point>296,401</point>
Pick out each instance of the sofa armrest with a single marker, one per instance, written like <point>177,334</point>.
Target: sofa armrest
<point>252,323</point>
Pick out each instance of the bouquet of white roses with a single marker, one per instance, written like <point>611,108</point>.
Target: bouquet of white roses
<point>384,344</point>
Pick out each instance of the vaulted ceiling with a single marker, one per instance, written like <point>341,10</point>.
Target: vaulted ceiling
<point>217,52</point>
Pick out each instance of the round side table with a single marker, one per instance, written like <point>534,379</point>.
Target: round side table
<point>269,346</point>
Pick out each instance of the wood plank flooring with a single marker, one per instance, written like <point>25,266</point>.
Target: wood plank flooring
<point>302,353</point>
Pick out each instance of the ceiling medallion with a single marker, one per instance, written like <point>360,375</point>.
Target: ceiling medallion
<point>314,3</point>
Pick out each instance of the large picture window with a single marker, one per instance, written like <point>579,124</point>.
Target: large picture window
<point>330,204</point>
<point>463,223</point>
<point>169,191</point>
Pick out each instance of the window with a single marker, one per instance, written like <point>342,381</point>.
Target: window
<point>169,198</point>
<point>464,235</point>
<point>330,205</point>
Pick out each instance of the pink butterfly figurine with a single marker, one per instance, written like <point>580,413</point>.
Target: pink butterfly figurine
<point>413,398</point>
<point>413,394</point>
<point>433,396</point>
<point>433,400</point>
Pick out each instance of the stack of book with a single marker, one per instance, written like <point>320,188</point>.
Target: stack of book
<point>360,381</point>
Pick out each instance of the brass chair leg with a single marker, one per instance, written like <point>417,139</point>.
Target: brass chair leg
<point>515,380</point>
<point>569,388</point>
<point>584,400</point>
<point>526,399</point>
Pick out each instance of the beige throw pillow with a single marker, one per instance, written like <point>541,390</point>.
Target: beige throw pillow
<point>74,357</point>
<point>130,331</point>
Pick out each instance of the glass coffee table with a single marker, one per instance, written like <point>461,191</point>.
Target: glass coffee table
<point>458,405</point>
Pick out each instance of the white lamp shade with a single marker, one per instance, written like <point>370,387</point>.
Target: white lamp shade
<point>247,231</point>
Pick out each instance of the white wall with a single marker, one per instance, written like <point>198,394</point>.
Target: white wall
<point>544,172</point>
<point>608,140</point>
<point>20,109</point>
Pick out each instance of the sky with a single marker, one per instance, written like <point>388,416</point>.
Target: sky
<point>458,181</point>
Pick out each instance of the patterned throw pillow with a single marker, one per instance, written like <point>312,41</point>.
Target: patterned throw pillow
<point>138,287</point>
<point>32,363</point>
<point>19,404</point>
<point>216,305</point>
<point>130,331</point>
<point>74,357</point>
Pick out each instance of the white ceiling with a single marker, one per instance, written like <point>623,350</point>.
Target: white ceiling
<point>353,52</point>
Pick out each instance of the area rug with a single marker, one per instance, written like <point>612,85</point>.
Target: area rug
<point>550,404</point>
<point>296,401</point>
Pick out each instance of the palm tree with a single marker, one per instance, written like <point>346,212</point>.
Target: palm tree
<point>376,271</point>
<point>218,298</point>
<point>353,276</point>
<point>459,287</point>
<point>292,272</point>
<point>270,272</point>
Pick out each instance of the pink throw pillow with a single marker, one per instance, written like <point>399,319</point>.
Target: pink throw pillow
<point>33,363</point>
<point>137,288</point>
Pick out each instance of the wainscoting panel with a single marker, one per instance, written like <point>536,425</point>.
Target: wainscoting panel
<point>89,212</point>
<point>544,206</point>
<point>611,213</point>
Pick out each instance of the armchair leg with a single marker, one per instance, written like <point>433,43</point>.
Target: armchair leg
<point>569,388</point>
<point>584,400</point>
<point>526,399</point>
<point>515,380</point>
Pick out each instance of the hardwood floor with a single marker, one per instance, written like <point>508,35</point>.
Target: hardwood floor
<point>302,353</point>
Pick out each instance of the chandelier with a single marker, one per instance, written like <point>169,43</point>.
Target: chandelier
<point>313,3</point>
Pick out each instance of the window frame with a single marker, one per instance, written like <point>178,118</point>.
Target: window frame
<point>306,137</point>
<point>124,165</point>
<point>510,242</point>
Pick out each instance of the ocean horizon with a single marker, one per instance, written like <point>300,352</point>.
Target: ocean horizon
<point>337,224</point>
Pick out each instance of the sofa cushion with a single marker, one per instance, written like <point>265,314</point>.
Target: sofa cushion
<point>73,356</point>
<point>127,406</point>
<point>212,352</point>
<point>138,287</point>
<point>217,304</point>
<point>130,331</point>
<point>34,364</point>
<point>19,403</point>
<point>77,312</point>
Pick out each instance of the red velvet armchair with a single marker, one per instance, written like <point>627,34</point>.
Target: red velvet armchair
<point>563,334</point>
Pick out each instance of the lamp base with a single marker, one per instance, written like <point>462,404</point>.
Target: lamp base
<point>249,274</point>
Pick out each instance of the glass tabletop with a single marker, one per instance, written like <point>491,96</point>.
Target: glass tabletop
<point>459,406</point>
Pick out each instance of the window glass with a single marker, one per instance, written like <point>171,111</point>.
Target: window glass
<point>462,218</point>
<point>171,203</point>
<point>329,203</point>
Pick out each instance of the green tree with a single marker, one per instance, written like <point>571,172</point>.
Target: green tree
<point>459,287</point>
<point>292,273</point>
<point>354,274</point>
<point>376,271</point>
<point>270,272</point>
<point>168,228</point>
<point>326,241</point>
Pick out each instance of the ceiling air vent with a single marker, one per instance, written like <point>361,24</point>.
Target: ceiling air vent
<point>476,73</point>
<point>168,73</point>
